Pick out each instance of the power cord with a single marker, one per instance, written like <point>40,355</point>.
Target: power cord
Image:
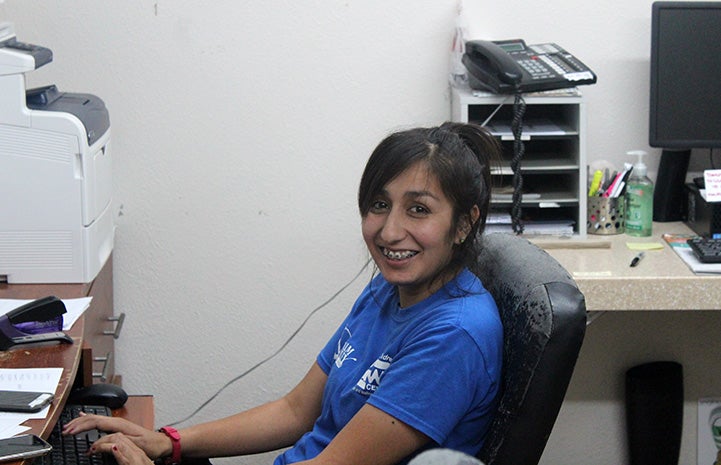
<point>710,156</point>
<point>278,351</point>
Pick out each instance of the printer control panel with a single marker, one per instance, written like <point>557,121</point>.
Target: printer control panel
<point>20,57</point>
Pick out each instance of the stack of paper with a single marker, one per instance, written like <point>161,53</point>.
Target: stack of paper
<point>501,222</point>
<point>26,379</point>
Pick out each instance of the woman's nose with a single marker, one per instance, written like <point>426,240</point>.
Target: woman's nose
<point>393,229</point>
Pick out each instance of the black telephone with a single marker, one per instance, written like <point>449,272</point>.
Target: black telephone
<point>511,66</point>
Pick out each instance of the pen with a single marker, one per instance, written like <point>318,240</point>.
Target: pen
<point>616,179</point>
<point>637,258</point>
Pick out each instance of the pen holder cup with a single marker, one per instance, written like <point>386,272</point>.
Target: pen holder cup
<point>606,215</point>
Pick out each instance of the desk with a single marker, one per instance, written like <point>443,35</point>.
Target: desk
<point>66,356</point>
<point>650,314</point>
<point>93,331</point>
<point>661,281</point>
<point>98,331</point>
<point>138,409</point>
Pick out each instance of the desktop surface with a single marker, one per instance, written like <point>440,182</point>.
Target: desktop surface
<point>600,265</point>
<point>62,355</point>
<point>76,359</point>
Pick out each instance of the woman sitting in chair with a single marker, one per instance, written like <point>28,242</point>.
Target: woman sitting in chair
<point>415,365</point>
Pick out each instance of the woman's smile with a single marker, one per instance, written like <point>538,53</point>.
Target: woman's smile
<point>398,255</point>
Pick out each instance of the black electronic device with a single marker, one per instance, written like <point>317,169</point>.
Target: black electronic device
<point>706,249</point>
<point>22,447</point>
<point>685,105</point>
<point>105,394</point>
<point>702,216</point>
<point>511,66</point>
<point>22,401</point>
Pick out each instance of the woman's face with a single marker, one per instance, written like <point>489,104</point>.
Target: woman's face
<point>408,233</point>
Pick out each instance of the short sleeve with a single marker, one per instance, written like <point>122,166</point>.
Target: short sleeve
<point>436,381</point>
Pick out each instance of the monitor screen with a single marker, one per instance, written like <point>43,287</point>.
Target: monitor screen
<point>685,106</point>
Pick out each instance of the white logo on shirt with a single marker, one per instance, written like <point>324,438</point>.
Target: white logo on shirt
<point>343,351</point>
<point>371,379</point>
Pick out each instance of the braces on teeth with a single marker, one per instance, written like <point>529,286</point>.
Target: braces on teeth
<point>398,255</point>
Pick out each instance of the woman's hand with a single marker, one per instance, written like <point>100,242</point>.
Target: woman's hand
<point>152,443</point>
<point>123,449</point>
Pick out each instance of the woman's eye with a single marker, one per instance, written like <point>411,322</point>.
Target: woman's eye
<point>379,205</point>
<point>419,210</point>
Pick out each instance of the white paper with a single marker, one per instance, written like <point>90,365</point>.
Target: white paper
<point>30,379</point>
<point>712,183</point>
<point>10,428</point>
<point>26,379</point>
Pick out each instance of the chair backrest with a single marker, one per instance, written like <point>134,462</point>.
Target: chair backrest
<point>544,322</point>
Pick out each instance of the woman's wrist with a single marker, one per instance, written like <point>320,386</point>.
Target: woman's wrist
<point>173,457</point>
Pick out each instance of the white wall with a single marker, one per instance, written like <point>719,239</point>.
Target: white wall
<point>239,132</point>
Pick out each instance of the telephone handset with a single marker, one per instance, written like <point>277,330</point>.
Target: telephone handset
<point>510,66</point>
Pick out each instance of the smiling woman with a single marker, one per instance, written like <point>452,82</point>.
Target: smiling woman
<point>416,363</point>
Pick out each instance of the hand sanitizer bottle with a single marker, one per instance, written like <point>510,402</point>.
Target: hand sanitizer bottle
<point>458,76</point>
<point>639,199</point>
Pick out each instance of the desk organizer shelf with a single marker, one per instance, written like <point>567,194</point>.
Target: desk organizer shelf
<point>554,163</point>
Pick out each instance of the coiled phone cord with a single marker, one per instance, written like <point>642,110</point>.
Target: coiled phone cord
<point>519,109</point>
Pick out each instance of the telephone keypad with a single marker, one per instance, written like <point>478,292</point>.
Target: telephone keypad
<point>553,64</point>
<point>535,69</point>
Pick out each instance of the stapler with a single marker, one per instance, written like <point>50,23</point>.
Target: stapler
<point>38,321</point>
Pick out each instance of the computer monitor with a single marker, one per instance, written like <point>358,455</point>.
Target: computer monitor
<point>685,103</point>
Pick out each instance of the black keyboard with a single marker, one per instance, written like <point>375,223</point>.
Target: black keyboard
<point>706,249</point>
<point>73,450</point>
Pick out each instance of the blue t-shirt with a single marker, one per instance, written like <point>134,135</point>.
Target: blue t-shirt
<point>435,365</point>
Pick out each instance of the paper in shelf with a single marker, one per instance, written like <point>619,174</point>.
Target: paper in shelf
<point>536,228</point>
<point>535,127</point>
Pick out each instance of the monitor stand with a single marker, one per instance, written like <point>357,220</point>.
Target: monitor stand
<point>668,193</point>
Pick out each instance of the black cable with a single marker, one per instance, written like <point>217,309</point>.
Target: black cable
<point>710,156</point>
<point>519,109</point>
<point>274,354</point>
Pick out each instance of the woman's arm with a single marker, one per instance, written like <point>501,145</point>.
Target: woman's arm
<point>268,427</point>
<point>372,437</point>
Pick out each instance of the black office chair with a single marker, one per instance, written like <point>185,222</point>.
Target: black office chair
<point>544,321</point>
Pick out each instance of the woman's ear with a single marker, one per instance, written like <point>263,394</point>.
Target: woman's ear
<point>466,224</point>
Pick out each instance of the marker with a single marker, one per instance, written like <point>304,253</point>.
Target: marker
<point>595,183</point>
<point>637,258</point>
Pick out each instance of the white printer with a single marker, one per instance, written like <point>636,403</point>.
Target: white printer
<point>56,223</point>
